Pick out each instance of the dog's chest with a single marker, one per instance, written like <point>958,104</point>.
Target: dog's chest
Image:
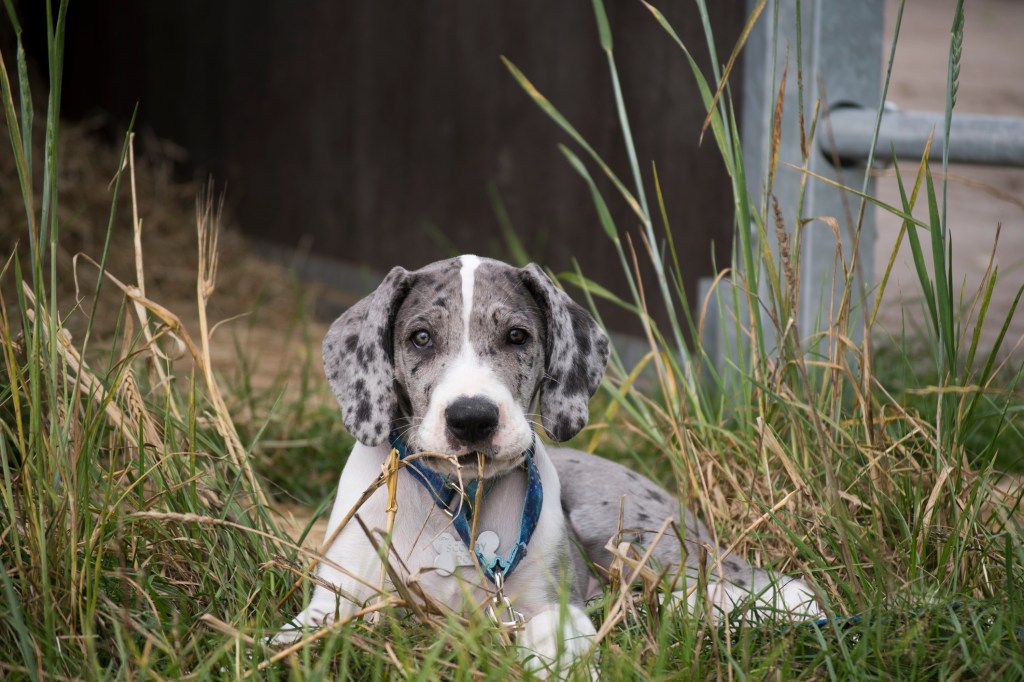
<point>429,546</point>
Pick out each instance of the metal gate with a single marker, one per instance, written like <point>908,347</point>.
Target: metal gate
<point>841,44</point>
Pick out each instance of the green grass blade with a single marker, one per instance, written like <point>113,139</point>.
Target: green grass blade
<point>944,302</point>
<point>517,252</point>
<point>923,278</point>
<point>17,621</point>
<point>717,127</point>
<point>548,108</point>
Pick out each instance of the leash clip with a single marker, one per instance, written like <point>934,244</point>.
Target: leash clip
<point>499,608</point>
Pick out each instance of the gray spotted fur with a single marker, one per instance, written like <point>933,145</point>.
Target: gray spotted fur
<point>358,360</point>
<point>577,354</point>
<point>595,489</point>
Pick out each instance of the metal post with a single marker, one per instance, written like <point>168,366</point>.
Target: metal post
<point>841,45</point>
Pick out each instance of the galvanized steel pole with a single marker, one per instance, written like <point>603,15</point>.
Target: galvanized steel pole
<point>976,139</point>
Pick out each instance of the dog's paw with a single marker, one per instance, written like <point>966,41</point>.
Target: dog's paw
<point>312,618</point>
<point>554,639</point>
<point>796,598</point>
<point>775,596</point>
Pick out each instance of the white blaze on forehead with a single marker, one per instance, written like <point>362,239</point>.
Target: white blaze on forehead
<point>468,272</point>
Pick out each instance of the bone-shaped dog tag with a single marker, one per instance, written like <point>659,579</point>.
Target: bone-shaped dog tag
<point>451,553</point>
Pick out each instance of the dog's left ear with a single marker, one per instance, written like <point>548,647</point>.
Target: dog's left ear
<point>359,360</point>
<point>577,355</point>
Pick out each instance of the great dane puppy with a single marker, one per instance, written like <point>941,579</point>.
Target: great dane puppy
<point>451,361</point>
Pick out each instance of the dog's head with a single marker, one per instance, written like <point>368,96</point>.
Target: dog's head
<point>453,356</point>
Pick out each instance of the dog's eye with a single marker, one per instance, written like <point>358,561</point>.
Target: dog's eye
<point>421,339</point>
<point>517,336</point>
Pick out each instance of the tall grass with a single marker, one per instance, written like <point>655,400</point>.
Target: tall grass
<point>137,539</point>
<point>129,506</point>
<point>891,503</point>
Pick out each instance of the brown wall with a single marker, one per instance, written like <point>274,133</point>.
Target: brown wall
<point>359,124</point>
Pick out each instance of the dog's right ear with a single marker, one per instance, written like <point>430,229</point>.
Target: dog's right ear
<point>359,360</point>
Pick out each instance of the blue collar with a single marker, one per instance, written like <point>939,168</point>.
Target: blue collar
<point>444,492</point>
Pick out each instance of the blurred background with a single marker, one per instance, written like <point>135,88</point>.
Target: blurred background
<point>376,134</point>
<point>353,136</point>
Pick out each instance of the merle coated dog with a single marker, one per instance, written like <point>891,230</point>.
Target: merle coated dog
<point>452,361</point>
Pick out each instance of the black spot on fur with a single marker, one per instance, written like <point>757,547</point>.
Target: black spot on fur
<point>363,411</point>
<point>632,475</point>
<point>643,516</point>
<point>653,494</point>
<point>604,503</point>
<point>351,342</point>
<point>441,302</point>
<point>581,329</point>
<point>575,381</point>
<point>732,564</point>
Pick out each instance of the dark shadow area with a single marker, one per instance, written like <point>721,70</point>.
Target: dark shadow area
<point>366,130</point>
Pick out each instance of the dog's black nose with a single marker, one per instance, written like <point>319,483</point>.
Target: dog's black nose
<point>472,419</point>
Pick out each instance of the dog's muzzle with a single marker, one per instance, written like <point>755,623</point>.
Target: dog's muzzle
<point>472,420</point>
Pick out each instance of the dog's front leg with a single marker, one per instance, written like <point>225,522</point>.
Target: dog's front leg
<point>349,576</point>
<point>554,639</point>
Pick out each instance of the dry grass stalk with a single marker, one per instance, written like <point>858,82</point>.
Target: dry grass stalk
<point>158,358</point>
<point>88,380</point>
<point>208,228</point>
<point>391,510</point>
<point>621,558</point>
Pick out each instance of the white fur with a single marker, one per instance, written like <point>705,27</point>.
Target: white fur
<point>554,639</point>
<point>790,596</point>
<point>466,377</point>
<point>533,587</point>
<point>468,275</point>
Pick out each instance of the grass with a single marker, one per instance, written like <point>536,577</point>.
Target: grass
<point>138,539</point>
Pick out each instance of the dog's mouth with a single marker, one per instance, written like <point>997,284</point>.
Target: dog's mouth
<point>471,465</point>
<point>471,459</point>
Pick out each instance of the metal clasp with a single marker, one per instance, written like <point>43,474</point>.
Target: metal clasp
<point>499,608</point>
